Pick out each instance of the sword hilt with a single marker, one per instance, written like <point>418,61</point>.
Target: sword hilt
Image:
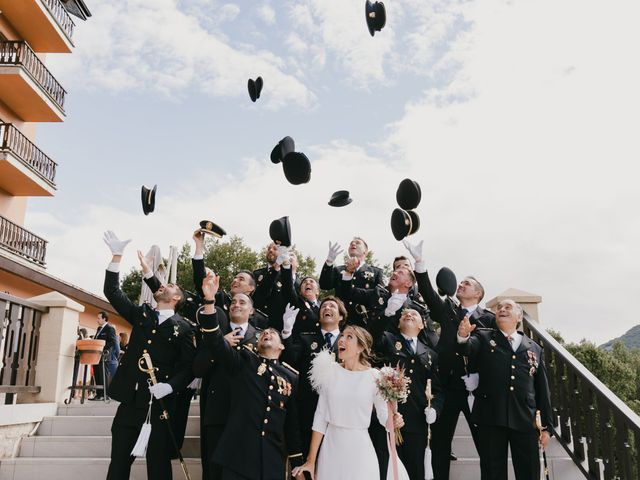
<point>146,365</point>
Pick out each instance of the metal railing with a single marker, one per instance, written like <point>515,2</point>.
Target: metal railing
<point>22,242</point>
<point>12,140</point>
<point>20,53</point>
<point>61,16</point>
<point>597,429</point>
<point>19,339</point>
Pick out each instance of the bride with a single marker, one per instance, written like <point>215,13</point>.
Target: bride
<point>348,393</point>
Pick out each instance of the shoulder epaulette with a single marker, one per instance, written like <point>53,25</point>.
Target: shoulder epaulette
<point>290,368</point>
<point>255,310</point>
<point>249,347</point>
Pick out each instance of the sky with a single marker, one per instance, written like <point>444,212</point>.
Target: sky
<point>518,119</point>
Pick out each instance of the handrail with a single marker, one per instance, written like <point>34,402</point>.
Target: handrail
<point>20,53</point>
<point>15,141</point>
<point>597,429</point>
<point>22,242</point>
<point>61,15</point>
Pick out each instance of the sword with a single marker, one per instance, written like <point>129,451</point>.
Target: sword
<point>544,474</point>
<point>145,365</point>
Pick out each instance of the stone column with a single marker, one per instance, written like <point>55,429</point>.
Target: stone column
<point>528,301</point>
<point>58,334</point>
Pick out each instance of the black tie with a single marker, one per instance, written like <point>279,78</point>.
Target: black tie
<point>327,338</point>
<point>410,345</point>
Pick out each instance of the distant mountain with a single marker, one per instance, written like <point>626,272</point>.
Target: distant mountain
<point>631,339</point>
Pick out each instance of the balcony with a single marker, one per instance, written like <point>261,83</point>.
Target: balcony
<point>24,169</point>
<point>45,24</point>
<point>27,87</point>
<point>22,242</point>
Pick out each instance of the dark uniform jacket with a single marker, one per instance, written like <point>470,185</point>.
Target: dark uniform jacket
<point>513,385</point>
<point>366,276</point>
<point>394,350</point>
<point>263,421</point>
<point>270,296</point>
<point>223,299</point>
<point>170,344</point>
<point>112,342</point>
<point>307,319</point>
<point>375,301</point>
<point>449,315</point>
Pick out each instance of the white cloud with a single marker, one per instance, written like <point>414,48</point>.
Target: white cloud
<point>140,45</point>
<point>267,14</point>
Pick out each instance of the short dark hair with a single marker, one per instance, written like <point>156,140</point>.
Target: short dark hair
<point>104,315</point>
<point>180,302</point>
<point>341,308</point>
<point>398,258</point>
<point>251,277</point>
<point>478,286</point>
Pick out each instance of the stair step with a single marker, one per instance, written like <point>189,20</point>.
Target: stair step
<point>86,447</point>
<point>102,409</point>
<point>66,468</point>
<point>464,447</point>
<point>559,469</point>
<point>93,426</point>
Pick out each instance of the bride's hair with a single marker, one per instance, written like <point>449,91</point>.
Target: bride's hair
<point>365,341</point>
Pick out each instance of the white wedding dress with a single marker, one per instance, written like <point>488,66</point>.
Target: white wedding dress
<point>343,415</point>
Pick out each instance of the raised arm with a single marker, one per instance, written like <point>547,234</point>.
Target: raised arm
<point>125,307</point>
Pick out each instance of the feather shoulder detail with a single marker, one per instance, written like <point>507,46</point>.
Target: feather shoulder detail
<point>322,368</point>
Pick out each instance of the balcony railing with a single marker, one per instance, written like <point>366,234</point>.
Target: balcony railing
<point>22,242</point>
<point>597,429</point>
<point>12,140</point>
<point>19,340</point>
<point>20,53</point>
<point>61,15</point>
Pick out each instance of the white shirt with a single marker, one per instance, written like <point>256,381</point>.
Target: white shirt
<point>413,341</point>
<point>335,333</point>
<point>243,327</point>
<point>470,309</point>
<point>164,314</point>
<point>517,339</point>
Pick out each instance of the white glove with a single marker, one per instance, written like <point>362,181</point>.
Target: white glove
<point>471,381</point>
<point>114,243</point>
<point>288,319</point>
<point>334,251</point>
<point>414,250</point>
<point>161,390</point>
<point>394,304</point>
<point>283,255</point>
<point>431,415</point>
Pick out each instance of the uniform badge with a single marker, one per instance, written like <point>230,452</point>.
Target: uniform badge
<point>176,330</point>
<point>533,362</point>
<point>281,403</point>
<point>492,343</point>
<point>314,345</point>
<point>381,301</point>
<point>250,347</point>
<point>262,368</point>
<point>368,275</point>
<point>260,277</point>
<point>279,284</point>
<point>366,285</point>
<point>398,346</point>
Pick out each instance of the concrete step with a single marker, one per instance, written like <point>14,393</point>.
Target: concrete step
<point>94,468</point>
<point>464,447</point>
<point>86,447</point>
<point>102,409</point>
<point>93,426</point>
<point>559,469</point>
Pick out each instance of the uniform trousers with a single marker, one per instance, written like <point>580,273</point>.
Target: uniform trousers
<point>213,433</point>
<point>124,434</point>
<point>524,453</point>
<point>444,429</point>
<point>411,452</point>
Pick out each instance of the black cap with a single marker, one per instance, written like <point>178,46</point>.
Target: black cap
<point>297,168</point>
<point>376,16</point>
<point>404,223</point>
<point>284,146</point>
<point>408,194</point>
<point>340,198</point>
<point>446,281</point>
<point>254,87</point>
<point>207,226</point>
<point>148,197</point>
<point>280,231</point>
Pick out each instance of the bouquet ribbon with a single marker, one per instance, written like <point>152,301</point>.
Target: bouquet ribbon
<point>391,441</point>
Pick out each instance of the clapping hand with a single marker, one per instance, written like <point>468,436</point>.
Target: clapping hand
<point>114,243</point>
<point>414,250</point>
<point>465,328</point>
<point>334,251</point>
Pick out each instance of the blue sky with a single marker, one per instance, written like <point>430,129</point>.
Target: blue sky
<point>518,119</point>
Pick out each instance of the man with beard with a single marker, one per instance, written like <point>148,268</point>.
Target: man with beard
<point>300,351</point>
<point>244,282</point>
<point>359,273</point>
<point>168,339</point>
<point>262,427</point>
<point>238,332</point>
<point>456,377</point>
<point>304,298</point>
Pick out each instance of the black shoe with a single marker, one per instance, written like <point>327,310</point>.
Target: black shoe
<point>453,457</point>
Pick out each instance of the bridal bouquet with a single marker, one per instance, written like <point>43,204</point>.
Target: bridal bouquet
<point>393,387</point>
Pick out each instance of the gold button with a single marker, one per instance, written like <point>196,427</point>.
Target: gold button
<point>513,367</point>
<point>263,434</point>
<point>411,371</point>
<point>145,351</point>
<point>272,377</point>
<point>270,387</point>
<point>408,392</point>
<point>513,377</point>
<point>304,317</point>
<point>266,420</point>
<point>513,356</point>
<point>269,397</point>
<point>268,409</point>
<point>413,361</point>
<point>511,388</point>
<point>149,342</point>
<point>153,331</point>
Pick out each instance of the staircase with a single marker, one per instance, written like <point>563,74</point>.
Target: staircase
<point>78,440</point>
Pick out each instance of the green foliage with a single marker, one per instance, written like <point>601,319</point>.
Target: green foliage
<point>131,284</point>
